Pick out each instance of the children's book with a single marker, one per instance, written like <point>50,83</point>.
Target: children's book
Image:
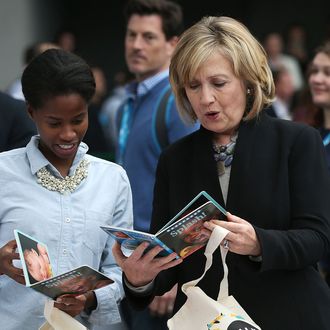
<point>182,234</point>
<point>39,275</point>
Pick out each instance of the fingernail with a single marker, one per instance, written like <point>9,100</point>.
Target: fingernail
<point>59,300</point>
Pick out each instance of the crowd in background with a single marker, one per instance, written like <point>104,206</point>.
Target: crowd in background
<point>289,58</point>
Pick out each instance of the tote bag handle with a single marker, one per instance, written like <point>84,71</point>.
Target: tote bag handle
<point>217,236</point>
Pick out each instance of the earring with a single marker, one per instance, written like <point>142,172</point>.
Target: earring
<point>249,100</point>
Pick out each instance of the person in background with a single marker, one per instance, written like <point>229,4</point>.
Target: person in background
<point>111,106</point>
<point>275,189</point>
<point>152,31</point>
<point>15,88</point>
<point>95,138</point>
<point>284,92</point>
<point>16,128</point>
<point>296,44</point>
<point>274,47</point>
<point>54,191</point>
<point>319,83</point>
<point>67,40</point>
<point>305,111</point>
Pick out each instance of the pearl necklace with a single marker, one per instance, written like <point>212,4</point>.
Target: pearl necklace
<point>68,184</point>
<point>223,154</point>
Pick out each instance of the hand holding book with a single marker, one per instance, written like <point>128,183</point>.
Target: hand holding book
<point>242,237</point>
<point>7,258</point>
<point>183,234</point>
<point>179,238</point>
<point>38,273</point>
<point>142,266</point>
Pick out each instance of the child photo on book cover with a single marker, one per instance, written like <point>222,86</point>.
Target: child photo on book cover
<point>37,263</point>
<point>37,260</point>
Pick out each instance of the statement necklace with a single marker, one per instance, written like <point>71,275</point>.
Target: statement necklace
<point>67,184</point>
<point>223,154</point>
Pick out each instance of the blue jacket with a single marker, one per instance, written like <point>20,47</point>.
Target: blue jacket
<point>142,152</point>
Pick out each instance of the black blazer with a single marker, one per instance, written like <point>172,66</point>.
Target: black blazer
<point>279,182</point>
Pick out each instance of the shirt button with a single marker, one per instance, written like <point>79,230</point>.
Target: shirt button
<point>64,251</point>
<point>67,219</point>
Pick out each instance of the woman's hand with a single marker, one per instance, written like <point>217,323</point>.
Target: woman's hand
<point>163,305</point>
<point>7,255</point>
<point>141,269</point>
<point>242,238</point>
<point>74,305</point>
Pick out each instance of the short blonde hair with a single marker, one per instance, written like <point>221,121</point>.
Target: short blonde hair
<point>234,41</point>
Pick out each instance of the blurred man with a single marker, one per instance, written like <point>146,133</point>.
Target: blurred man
<point>284,90</point>
<point>274,47</point>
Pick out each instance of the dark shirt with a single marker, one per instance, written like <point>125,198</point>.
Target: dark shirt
<point>16,127</point>
<point>325,136</point>
<point>95,138</point>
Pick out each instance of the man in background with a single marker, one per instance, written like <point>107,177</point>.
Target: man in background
<point>284,90</point>
<point>148,121</point>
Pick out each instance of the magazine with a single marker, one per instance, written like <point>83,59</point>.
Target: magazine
<point>182,234</point>
<point>38,272</point>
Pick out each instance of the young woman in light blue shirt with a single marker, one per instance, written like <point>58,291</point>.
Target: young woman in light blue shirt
<point>55,192</point>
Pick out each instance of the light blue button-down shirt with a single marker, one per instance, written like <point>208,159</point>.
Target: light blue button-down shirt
<point>68,224</point>
<point>146,85</point>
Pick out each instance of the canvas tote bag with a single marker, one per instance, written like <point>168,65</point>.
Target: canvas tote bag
<point>202,312</point>
<point>58,320</point>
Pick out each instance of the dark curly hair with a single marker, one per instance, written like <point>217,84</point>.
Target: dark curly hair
<point>170,13</point>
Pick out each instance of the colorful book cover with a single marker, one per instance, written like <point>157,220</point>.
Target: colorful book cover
<point>185,235</point>
<point>182,234</point>
<point>39,275</point>
<point>129,239</point>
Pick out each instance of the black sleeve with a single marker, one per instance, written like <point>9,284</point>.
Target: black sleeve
<point>308,236</point>
<point>17,126</point>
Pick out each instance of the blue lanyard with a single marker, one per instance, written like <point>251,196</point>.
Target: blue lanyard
<point>124,129</point>
<point>326,139</point>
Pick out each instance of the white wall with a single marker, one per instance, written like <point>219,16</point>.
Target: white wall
<point>22,23</point>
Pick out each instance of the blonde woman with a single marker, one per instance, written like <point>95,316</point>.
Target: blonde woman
<point>270,174</point>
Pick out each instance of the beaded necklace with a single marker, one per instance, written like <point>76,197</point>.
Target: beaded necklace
<point>223,154</point>
<point>67,184</point>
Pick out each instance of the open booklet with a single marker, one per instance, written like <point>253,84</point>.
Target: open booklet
<point>182,234</point>
<point>39,276</point>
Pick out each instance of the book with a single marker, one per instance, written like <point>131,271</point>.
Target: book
<point>38,272</point>
<point>182,234</point>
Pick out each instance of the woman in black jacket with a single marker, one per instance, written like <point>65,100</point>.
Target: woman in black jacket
<point>274,184</point>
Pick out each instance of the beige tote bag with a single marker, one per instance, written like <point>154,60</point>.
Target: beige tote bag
<point>59,320</point>
<point>202,312</point>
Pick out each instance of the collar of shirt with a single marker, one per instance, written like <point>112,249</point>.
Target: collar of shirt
<point>37,160</point>
<point>142,88</point>
<point>281,109</point>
